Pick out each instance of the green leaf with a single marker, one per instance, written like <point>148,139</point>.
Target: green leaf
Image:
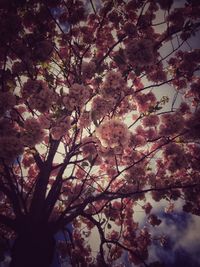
<point>94,119</point>
<point>84,164</point>
<point>61,91</point>
<point>109,226</point>
<point>158,108</point>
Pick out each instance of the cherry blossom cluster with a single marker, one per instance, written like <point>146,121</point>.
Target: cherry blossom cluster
<point>61,127</point>
<point>172,123</point>
<point>176,159</point>
<point>145,102</point>
<point>140,52</point>
<point>77,97</point>
<point>135,175</point>
<point>150,121</point>
<point>32,133</point>
<point>85,119</point>
<point>11,145</point>
<point>10,148</point>
<point>113,133</point>
<point>80,112</point>
<point>89,147</point>
<point>7,101</point>
<point>38,94</point>
<point>114,85</point>
<point>193,126</point>
<point>194,91</point>
<point>88,69</point>
<point>101,106</point>
<point>156,73</point>
<point>154,220</point>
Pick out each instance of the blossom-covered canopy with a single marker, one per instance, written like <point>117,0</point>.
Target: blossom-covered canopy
<point>99,113</point>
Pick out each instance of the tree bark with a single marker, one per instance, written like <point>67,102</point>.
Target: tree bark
<point>33,248</point>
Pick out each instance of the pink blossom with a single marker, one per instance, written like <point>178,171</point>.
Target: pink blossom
<point>10,148</point>
<point>42,101</point>
<point>171,123</point>
<point>33,133</point>
<point>150,121</point>
<point>175,157</point>
<point>40,97</point>
<point>151,134</point>
<point>28,160</point>
<point>43,49</point>
<point>173,149</point>
<point>101,106</point>
<point>195,89</point>
<point>31,87</point>
<point>85,119</point>
<point>176,163</point>
<point>113,86</point>
<point>7,127</point>
<point>105,152</point>
<point>157,75</point>
<point>7,101</point>
<point>147,207</point>
<point>113,133</point>
<point>88,69</point>
<point>153,220</point>
<point>89,147</point>
<point>138,140</point>
<point>140,52</point>
<point>61,127</point>
<point>184,108</point>
<point>145,101</point>
<point>136,172</point>
<point>77,97</point>
<point>193,126</point>
<point>130,29</point>
<point>69,102</point>
<point>45,121</point>
<point>56,132</point>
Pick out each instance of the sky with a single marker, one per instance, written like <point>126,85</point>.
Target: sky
<point>181,232</point>
<point>183,244</point>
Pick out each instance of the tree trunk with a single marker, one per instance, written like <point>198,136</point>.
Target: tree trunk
<point>33,248</point>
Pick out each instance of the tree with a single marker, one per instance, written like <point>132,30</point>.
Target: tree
<point>99,106</point>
